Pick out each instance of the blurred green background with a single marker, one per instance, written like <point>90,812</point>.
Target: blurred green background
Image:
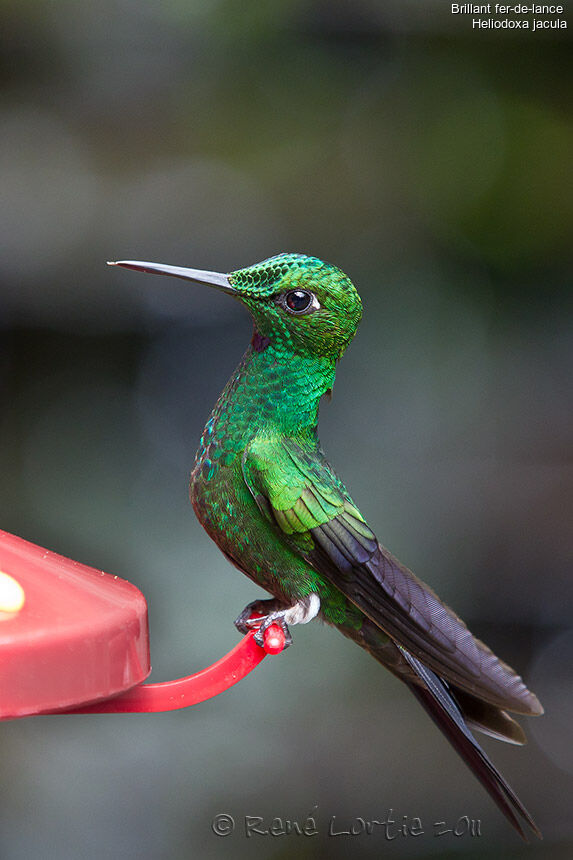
<point>433,165</point>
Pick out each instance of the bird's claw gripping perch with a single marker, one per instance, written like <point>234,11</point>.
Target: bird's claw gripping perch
<point>267,619</point>
<point>267,630</point>
<point>254,613</point>
<point>272,615</point>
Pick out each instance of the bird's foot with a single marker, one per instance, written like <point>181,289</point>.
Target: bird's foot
<point>254,613</point>
<point>262,613</point>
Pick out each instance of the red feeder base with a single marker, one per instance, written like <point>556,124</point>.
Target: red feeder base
<point>68,633</point>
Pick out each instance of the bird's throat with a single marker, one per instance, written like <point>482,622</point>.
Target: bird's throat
<point>273,390</point>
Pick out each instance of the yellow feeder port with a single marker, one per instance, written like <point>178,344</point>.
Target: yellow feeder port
<point>12,594</point>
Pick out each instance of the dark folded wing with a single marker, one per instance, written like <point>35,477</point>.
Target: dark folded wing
<point>410,612</point>
<point>311,507</point>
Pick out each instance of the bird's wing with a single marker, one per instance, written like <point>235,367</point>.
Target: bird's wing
<point>299,491</point>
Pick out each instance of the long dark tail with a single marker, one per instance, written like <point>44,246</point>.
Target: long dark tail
<point>440,704</point>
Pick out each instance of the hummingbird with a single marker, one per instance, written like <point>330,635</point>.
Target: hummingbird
<point>266,494</point>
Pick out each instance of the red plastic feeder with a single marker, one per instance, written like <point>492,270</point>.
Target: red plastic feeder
<point>74,639</point>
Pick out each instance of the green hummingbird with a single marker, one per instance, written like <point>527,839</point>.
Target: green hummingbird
<point>266,494</point>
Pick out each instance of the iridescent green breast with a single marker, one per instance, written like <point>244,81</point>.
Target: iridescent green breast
<point>262,397</point>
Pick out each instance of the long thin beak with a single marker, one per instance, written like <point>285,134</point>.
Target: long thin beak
<point>214,279</point>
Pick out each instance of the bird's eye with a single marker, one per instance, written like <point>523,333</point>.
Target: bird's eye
<point>300,301</point>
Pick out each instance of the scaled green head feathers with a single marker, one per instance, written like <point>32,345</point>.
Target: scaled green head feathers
<point>300,303</point>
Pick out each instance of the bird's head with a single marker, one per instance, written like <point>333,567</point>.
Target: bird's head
<point>298,303</point>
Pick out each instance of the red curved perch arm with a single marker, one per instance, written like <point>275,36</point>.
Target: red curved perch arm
<point>183,692</point>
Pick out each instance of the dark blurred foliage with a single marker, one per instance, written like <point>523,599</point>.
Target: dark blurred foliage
<point>433,164</point>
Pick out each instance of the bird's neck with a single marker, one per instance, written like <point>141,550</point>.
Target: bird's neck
<point>273,390</point>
